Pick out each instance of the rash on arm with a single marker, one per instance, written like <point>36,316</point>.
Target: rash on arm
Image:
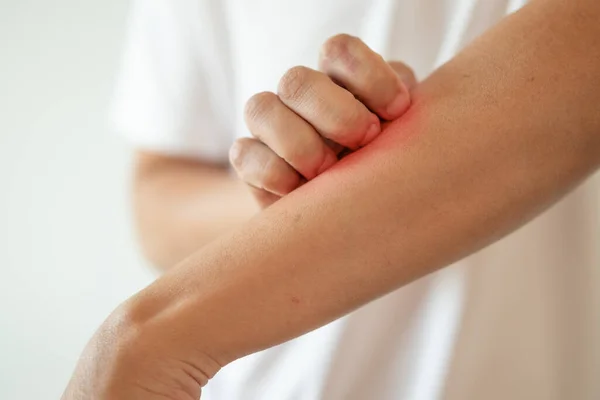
<point>493,138</point>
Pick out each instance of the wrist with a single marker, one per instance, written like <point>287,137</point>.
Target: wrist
<point>138,353</point>
<point>168,329</point>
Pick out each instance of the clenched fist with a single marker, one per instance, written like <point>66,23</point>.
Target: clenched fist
<point>317,117</point>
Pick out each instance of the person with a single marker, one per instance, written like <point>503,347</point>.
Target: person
<point>492,138</point>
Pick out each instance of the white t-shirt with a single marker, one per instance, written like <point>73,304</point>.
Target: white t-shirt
<point>518,320</point>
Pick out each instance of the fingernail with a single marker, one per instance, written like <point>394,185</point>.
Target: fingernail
<point>399,105</point>
<point>372,132</point>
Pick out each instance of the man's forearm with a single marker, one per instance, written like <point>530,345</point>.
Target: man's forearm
<point>181,205</point>
<point>492,138</point>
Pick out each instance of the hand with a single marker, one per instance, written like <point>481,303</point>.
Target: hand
<point>318,117</point>
<point>141,351</point>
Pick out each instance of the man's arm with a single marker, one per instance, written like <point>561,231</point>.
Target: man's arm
<point>493,138</point>
<point>182,204</point>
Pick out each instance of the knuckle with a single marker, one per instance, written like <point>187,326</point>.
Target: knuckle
<point>379,77</point>
<point>339,49</point>
<point>300,157</point>
<point>307,161</point>
<point>345,128</point>
<point>410,73</point>
<point>294,83</point>
<point>258,106</point>
<point>401,67</point>
<point>337,45</point>
<point>372,86</point>
<point>353,116</point>
<point>296,155</point>
<point>238,152</point>
<point>409,78</point>
<point>272,177</point>
<point>406,73</point>
<point>339,127</point>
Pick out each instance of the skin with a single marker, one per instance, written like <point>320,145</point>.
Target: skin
<point>471,161</point>
<point>343,117</point>
<point>205,200</point>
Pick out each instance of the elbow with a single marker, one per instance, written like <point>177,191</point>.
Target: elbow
<point>160,240</point>
<point>153,243</point>
<point>169,199</point>
<point>155,249</point>
<point>155,240</point>
<point>162,237</point>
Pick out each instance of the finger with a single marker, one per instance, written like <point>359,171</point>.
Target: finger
<point>259,166</point>
<point>262,197</point>
<point>336,147</point>
<point>352,64</point>
<point>288,135</point>
<point>333,111</point>
<point>406,74</point>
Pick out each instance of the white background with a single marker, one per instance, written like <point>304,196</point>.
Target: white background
<point>67,250</point>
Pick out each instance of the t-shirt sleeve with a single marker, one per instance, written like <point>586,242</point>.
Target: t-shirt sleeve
<point>172,94</point>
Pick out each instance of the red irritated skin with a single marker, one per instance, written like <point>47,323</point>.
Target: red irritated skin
<point>317,117</point>
<point>469,162</point>
<point>492,138</point>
